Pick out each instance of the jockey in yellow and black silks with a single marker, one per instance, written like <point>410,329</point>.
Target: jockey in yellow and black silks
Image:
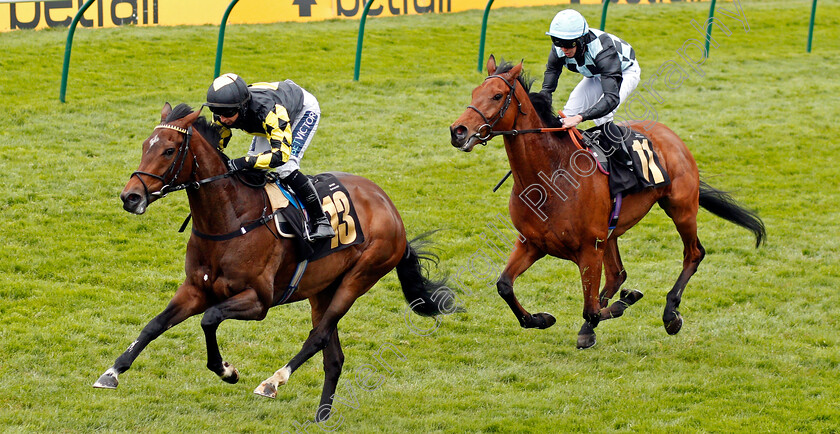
<point>283,118</point>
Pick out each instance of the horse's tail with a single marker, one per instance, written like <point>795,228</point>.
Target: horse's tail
<point>721,204</point>
<point>426,297</point>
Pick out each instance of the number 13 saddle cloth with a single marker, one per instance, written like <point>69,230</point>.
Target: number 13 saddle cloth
<point>290,216</point>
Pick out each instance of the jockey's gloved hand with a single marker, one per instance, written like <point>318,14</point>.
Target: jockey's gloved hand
<point>237,164</point>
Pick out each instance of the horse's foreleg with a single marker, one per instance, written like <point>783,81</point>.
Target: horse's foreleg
<point>614,273</point>
<point>521,258</point>
<point>245,306</point>
<point>187,302</point>
<point>589,264</point>
<point>614,276</point>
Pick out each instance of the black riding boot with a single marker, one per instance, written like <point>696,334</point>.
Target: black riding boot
<point>319,224</point>
<point>613,136</point>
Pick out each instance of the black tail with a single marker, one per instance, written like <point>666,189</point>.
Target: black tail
<point>426,297</point>
<point>721,204</point>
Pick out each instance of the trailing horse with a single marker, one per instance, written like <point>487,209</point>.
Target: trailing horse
<point>561,205</point>
<point>234,273</point>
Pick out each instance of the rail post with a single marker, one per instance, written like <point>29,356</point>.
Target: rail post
<point>709,26</point>
<point>604,15</point>
<point>65,69</point>
<point>483,34</point>
<point>811,26</point>
<point>359,41</point>
<point>220,45</point>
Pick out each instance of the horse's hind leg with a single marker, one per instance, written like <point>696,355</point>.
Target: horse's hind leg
<point>522,257</point>
<point>333,356</point>
<point>614,277</point>
<point>186,302</point>
<point>685,219</point>
<point>352,286</point>
<point>245,306</point>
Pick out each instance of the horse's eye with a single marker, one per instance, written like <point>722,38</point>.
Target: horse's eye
<point>497,96</point>
<point>169,152</point>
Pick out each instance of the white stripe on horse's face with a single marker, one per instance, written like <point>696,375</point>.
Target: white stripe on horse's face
<point>154,140</point>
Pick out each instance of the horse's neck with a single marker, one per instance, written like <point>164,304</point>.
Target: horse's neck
<point>221,206</point>
<point>532,153</point>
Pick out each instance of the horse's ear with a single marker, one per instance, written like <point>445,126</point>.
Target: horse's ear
<point>190,118</point>
<point>515,71</point>
<point>491,65</point>
<point>165,112</point>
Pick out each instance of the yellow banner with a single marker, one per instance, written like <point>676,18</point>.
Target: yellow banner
<point>113,13</point>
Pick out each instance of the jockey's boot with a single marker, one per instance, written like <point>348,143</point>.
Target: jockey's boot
<point>319,224</point>
<point>614,137</point>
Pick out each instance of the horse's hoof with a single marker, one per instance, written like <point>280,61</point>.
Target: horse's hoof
<point>542,320</point>
<point>586,336</point>
<point>108,380</point>
<point>230,374</point>
<point>631,296</point>
<point>585,341</point>
<point>266,389</point>
<point>673,327</point>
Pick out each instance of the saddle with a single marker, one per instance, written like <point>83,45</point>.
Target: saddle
<point>630,162</point>
<point>291,220</point>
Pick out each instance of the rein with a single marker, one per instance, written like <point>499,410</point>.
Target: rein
<point>263,220</point>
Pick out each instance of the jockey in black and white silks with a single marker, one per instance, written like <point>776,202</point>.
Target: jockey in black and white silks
<point>607,63</point>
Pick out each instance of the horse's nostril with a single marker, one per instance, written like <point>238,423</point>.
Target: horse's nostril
<point>130,200</point>
<point>459,132</point>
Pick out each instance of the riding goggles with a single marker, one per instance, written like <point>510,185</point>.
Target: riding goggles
<point>563,43</point>
<point>225,112</point>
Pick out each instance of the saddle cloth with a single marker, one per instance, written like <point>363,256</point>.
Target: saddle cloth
<point>291,221</point>
<point>646,170</point>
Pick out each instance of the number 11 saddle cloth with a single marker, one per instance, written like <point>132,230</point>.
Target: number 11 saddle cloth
<point>645,171</point>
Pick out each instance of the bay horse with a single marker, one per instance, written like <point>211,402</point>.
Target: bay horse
<point>243,276</point>
<point>560,204</point>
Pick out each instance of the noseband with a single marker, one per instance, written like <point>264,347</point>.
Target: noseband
<point>485,132</point>
<point>175,168</point>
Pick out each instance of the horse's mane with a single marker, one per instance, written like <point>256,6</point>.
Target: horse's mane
<point>210,131</point>
<point>541,102</point>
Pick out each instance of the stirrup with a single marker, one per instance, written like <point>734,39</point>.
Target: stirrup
<point>321,230</point>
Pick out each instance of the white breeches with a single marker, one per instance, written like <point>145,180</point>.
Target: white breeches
<point>589,91</point>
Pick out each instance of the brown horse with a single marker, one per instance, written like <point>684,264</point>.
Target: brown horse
<point>243,276</point>
<point>560,204</point>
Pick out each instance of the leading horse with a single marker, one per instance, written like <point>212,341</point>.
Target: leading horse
<point>561,205</point>
<point>241,277</point>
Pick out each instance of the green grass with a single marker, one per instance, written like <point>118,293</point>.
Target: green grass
<point>79,277</point>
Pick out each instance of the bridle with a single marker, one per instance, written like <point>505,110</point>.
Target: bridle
<point>175,168</point>
<point>485,132</point>
<point>174,171</point>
